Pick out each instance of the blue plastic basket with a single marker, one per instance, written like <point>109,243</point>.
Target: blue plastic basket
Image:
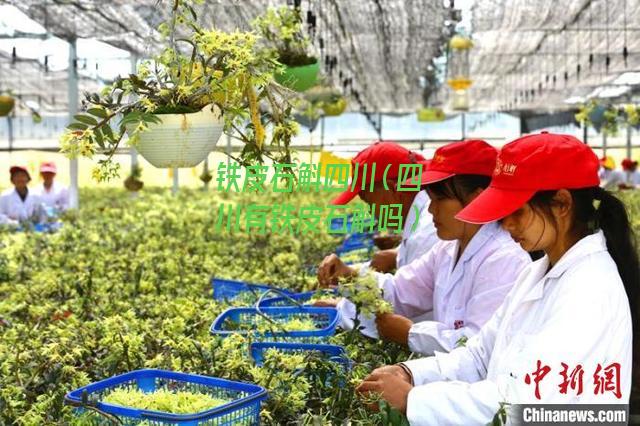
<point>356,242</point>
<point>244,407</point>
<point>301,298</point>
<point>332,352</point>
<point>229,289</point>
<point>325,320</point>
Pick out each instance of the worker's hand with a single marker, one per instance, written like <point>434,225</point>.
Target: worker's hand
<point>327,303</point>
<point>331,269</point>
<point>386,242</point>
<point>394,327</point>
<point>384,261</point>
<point>624,186</point>
<point>390,385</point>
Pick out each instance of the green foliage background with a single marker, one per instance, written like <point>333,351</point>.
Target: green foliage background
<point>125,285</point>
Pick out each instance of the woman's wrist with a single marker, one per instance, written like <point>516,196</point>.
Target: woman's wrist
<point>407,372</point>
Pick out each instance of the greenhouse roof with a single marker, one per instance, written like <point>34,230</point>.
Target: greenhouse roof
<point>527,55</point>
<point>384,45</point>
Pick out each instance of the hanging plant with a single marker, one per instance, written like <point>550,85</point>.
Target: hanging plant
<point>282,30</point>
<point>335,106</point>
<point>591,114</point>
<point>206,176</point>
<point>632,115</point>
<point>7,103</point>
<point>175,108</point>
<point>133,182</point>
<point>323,97</point>
<point>601,117</point>
<point>611,119</point>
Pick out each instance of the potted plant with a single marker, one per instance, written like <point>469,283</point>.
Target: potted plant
<point>326,98</point>
<point>632,115</point>
<point>175,108</point>
<point>610,124</point>
<point>7,102</point>
<point>206,176</point>
<point>283,31</point>
<point>335,106</point>
<point>133,182</point>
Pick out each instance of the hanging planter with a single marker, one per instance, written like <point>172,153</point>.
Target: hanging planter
<point>180,140</point>
<point>299,78</point>
<point>6,105</point>
<point>460,100</point>
<point>133,182</point>
<point>336,108</point>
<point>175,107</point>
<point>426,115</point>
<point>283,31</point>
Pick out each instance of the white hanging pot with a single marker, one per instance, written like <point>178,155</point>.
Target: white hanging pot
<point>181,140</point>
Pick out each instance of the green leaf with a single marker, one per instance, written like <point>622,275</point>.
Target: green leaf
<point>107,131</point>
<point>97,136</point>
<point>132,117</point>
<point>87,119</point>
<point>98,112</point>
<point>77,126</point>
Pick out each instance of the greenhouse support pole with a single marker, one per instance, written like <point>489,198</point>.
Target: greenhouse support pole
<point>585,133</point>
<point>176,183</point>
<point>321,133</point>
<point>628,140</point>
<point>464,126</point>
<point>72,86</point>
<point>10,131</point>
<point>205,171</point>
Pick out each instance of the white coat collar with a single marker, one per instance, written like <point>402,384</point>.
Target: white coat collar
<point>485,233</point>
<point>591,244</point>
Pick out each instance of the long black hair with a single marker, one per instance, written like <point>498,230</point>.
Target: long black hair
<point>458,187</point>
<point>596,208</point>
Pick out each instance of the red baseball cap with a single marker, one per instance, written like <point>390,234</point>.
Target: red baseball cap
<point>471,157</point>
<point>628,164</point>
<point>387,156</point>
<point>48,167</point>
<point>16,168</point>
<point>541,162</point>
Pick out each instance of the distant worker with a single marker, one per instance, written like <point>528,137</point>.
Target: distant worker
<point>52,194</point>
<point>18,204</point>
<point>610,178</point>
<point>631,174</point>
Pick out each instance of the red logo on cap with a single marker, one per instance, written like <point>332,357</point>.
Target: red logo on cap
<point>508,169</point>
<point>498,168</point>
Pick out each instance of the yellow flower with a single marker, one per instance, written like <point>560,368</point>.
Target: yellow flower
<point>255,114</point>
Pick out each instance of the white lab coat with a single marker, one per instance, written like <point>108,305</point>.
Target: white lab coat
<point>12,206</point>
<point>419,242</point>
<point>577,313</point>
<point>610,179</point>
<point>463,297</point>
<point>632,178</point>
<point>413,246</point>
<point>57,196</point>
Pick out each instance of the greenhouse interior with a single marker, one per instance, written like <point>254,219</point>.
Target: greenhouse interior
<point>319,212</point>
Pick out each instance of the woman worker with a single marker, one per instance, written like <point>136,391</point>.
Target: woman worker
<point>463,278</point>
<point>569,315</point>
